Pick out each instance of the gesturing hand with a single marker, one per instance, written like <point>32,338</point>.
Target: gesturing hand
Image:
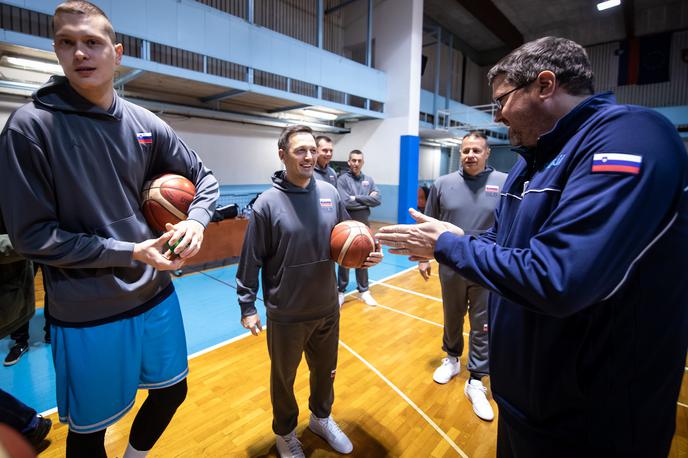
<point>417,240</point>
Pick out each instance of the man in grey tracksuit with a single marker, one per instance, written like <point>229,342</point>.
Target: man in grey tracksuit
<point>466,198</point>
<point>359,193</point>
<point>322,170</point>
<point>288,238</point>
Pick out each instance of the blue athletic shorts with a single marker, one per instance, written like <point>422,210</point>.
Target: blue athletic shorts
<point>98,369</point>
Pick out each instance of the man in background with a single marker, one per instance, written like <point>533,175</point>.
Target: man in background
<point>359,194</point>
<point>322,170</point>
<point>466,198</point>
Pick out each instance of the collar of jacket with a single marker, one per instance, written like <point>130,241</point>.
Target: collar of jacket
<point>280,181</point>
<point>466,176</point>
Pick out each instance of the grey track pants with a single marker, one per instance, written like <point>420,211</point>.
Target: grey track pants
<point>459,296</point>
<point>319,340</point>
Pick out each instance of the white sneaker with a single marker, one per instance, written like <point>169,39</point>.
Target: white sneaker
<point>447,371</point>
<point>475,392</point>
<point>367,298</point>
<point>289,446</point>
<point>340,298</point>
<point>328,429</point>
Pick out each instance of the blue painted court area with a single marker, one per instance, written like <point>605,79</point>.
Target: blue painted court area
<point>211,316</point>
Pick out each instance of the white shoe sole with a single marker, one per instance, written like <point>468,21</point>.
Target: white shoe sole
<point>475,411</point>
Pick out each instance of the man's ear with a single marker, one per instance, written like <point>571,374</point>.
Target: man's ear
<point>119,50</point>
<point>281,154</point>
<point>547,82</point>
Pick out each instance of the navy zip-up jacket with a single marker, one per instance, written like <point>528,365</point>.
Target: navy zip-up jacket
<point>588,331</point>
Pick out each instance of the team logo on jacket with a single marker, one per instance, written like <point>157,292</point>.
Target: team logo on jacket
<point>492,189</point>
<point>326,204</point>
<point>616,162</point>
<point>144,138</point>
<point>365,183</point>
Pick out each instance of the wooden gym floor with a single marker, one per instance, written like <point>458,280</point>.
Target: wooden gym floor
<point>385,401</point>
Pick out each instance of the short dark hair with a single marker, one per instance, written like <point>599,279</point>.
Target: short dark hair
<point>287,132</point>
<point>87,9</point>
<point>475,133</point>
<point>355,151</point>
<point>322,138</point>
<point>563,57</point>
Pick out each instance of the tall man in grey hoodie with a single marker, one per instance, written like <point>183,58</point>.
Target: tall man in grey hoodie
<point>75,160</point>
<point>359,193</point>
<point>288,238</point>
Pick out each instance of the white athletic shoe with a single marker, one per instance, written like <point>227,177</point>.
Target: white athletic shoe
<point>447,371</point>
<point>289,446</point>
<point>328,429</point>
<point>340,298</point>
<point>475,392</point>
<point>367,298</point>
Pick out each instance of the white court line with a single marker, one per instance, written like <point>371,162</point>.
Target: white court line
<point>682,404</point>
<point>408,400</point>
<point>48,412</point>
<point>222,344</point>
<point>409,315</point>
<point>437,299</point>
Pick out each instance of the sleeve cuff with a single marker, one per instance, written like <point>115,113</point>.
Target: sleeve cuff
<point>200,215</point>
<point>248,309</point>
<point>121,253</point>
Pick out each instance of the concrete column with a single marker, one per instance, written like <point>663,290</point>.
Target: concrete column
<point>397,31</point>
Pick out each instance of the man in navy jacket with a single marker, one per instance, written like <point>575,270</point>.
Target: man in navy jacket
<point>589,326</point>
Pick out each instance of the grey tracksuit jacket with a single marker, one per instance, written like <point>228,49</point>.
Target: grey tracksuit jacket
<point>288,240</point>
<point>327,174</point>
<point>360,187</point>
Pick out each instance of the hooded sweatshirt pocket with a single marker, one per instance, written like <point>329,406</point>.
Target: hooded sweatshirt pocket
<point>304,288</point>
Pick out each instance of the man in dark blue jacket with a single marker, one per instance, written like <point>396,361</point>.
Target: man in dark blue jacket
<point>589,326</point>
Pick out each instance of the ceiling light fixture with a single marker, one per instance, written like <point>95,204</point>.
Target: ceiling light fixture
<point>31,64</point>
<point>313,113</point>
<point>608,4</point>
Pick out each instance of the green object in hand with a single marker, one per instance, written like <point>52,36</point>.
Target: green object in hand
<point>171,248</point>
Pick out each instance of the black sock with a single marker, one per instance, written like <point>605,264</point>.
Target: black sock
<point>476,377</point>
<point>90,445</point>
<point>155,414</point>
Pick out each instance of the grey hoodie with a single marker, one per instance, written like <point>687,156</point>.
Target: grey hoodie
<point>361,188</point>
<point>466,201</point>
<point>288,238</point>
<point>74,173</point>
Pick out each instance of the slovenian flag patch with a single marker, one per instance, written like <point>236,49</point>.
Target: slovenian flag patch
<point>490,188</point>
<point>144,138</point>
<point>616,162</point>
<point>326,203</point>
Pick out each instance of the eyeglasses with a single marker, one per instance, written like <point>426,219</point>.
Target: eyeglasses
<point>498,101</point>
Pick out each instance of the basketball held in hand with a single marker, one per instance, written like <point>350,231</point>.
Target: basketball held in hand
<point>166,199</point>
<point>351,242</point>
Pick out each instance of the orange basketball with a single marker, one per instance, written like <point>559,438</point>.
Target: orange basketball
<point>166,199</point>
<point>351,242</point>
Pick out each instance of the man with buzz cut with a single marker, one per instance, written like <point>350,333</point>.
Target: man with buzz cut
<point>74,161</point>
<point>359,194</point>
<point>466,198</point>
<point>322,170</point>
<point>288,238</point>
